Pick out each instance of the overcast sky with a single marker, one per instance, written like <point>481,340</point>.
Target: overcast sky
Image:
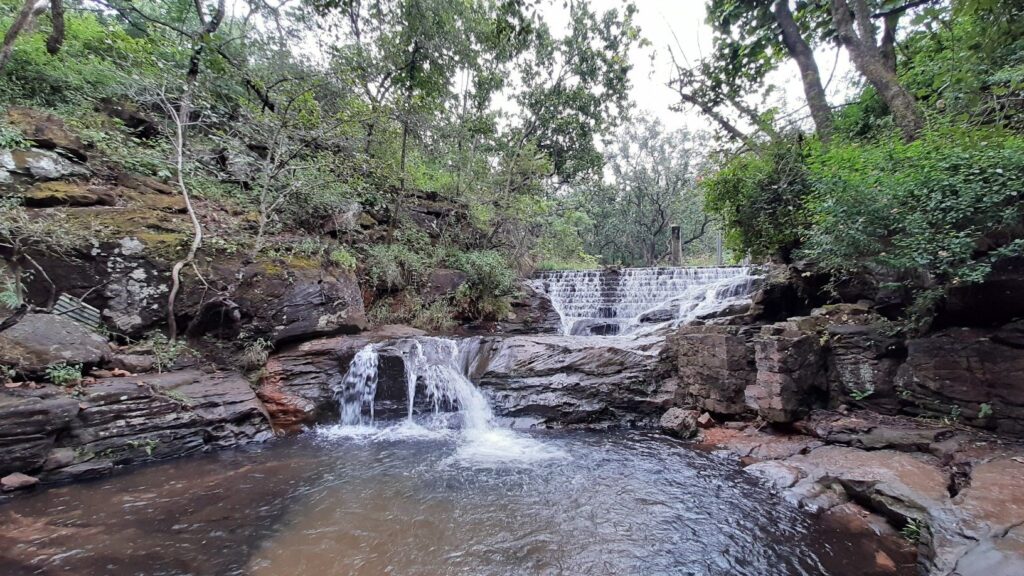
<point>680,24</point>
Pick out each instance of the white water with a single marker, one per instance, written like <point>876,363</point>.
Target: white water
<point>437,364</point>
<point>628,299</point>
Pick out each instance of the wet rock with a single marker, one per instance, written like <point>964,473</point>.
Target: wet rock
<point>39,164</point>
<point>577,380</point>
<point>41,340</point>
<point>50,194</point>
<point>29,424</point>
<point>593,327</point>
<point>17,481</point>
<point>45,130</point>
<point>715,366</point>
<point>956,371</point>
<point>790,370</point>
<point>679,422</point>
<point>777,474</point>
<point>297,388</point>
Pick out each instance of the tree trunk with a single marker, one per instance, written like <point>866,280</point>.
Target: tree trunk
<point>21,21</point>
<point>871,61</point>
<point>56,38</point>
<point>801,52</point>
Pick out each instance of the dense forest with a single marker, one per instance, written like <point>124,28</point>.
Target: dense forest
<point>284,124</point>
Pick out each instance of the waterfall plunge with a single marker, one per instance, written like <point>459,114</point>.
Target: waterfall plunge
<point>437,364</point>
<point>637,300</point>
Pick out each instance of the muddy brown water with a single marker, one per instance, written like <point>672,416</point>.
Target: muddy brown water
<point>619,503</point>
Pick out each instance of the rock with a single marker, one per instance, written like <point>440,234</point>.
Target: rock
<point>715,366</point>
<point>777,474</point>
<point>46,130</point>
<point>996,301</point>
<point>40,164</point>
<point>134,119</point>
<point>17,481</point>
<point>956,371</point>
<point>300,303</point>
<point>593,327</point>
<point>442,281</point>
<point>532,313</point>
<point>297,388</point>
<point>579,380</point>
<point>133,363</point>
<point>41,340</point>
<point>49,194</point>
<point>862,367</point>
<point>145,184</point>
<point>790,370</point>
<point>679,422</point>
<point>29,424</point>
<point>59,458</point>
<point>706,421</point>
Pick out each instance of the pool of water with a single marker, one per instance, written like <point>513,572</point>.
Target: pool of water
<point>410,501</point>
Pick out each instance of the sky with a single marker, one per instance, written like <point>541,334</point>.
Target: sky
<point>680,24</point>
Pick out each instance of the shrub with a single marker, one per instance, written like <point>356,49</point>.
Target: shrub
<point>343,259</point>
<point>759,198</point>
<point>395,266</point>
<point>490,282</point>
<point>64,374</point>
<point>940,210</point>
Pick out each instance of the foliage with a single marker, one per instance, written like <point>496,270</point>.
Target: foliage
<point>255,354</point>
<point>913,530</point>
<point>343,259</point>
<point>165,351</point>
<point>490,282</point>
<point>759,198</point>
<point>64,374</point>
<point>395,266</point>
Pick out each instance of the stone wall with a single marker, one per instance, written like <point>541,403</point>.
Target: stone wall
<point>715,367</point>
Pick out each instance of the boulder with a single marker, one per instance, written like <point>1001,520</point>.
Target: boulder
<point>41,340</point>
<point>442,281</point>
<point>715,367</point>
<point>679,422</point>
<point>970,374</point>
<point>134,119</point>
<point>594,327</point>
<point>299,302</point>
<point>790,370</point>
<point>579,380</point>
<point>39,164</point>
<point>532,313</point>
<point>50,194</point>
<point>133,363</point>
<point>45,130</point>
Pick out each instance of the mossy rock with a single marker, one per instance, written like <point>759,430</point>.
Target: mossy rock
<point>161,202</point>
<point>161,234</point>
<point>51,194</point>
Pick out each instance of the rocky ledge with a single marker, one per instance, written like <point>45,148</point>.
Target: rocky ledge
<point>955,495</point>
<point>51,433</point>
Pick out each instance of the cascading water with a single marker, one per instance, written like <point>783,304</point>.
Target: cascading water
<point>358,387</point>
<point>437,366</point>
<point>611,302</point>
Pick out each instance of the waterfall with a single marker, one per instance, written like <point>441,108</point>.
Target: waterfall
<point>608,302</point>
<point>435,363</point>
<point>358,387</point>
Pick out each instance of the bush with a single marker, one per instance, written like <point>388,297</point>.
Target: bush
<point>343,259</point>
<point>64,374</point>
<point>394,266</point>
<point>759,197</point>
<point>944,207</point>
<point>490,282</point>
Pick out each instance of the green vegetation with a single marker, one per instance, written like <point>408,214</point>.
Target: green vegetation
<point>919,189</point>
<point>64,374</point>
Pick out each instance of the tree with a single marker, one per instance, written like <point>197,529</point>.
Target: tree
<point>651,187</point>
<point>29,10</point>
<point>875,57</point>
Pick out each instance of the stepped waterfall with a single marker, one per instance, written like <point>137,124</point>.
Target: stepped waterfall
<point>633,300</point>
